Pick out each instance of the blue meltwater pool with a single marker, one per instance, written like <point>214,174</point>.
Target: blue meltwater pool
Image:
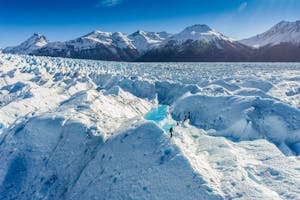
<point>158,114</point>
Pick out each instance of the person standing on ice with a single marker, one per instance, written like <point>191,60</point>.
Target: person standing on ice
<point>185,118</point>
<point>171,132</point>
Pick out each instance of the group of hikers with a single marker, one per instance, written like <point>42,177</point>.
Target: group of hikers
<point>186,117</point>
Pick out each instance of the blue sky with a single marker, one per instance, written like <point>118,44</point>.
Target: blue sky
<point>61,20</point>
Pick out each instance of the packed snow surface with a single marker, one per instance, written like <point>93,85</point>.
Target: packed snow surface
<point>79,129</point>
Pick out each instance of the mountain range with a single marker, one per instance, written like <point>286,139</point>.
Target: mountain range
<point>195,43</point>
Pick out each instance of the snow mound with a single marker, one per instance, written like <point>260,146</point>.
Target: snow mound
<point>44,156</point>
<point>244,170</point>
<point>244,118</point>
<point>252,92</point>
<point>97,110</point>
<point>258,84</point>
<point>295,91</point>
<point>225,84</point>
<point>144,159</point>
<point>168,93</point>
<point>72,163</point>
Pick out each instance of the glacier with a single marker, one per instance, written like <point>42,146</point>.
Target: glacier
<point>84,129</point>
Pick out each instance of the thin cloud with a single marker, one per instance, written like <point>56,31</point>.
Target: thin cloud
<point>109,3</point>
<point>242,7</point>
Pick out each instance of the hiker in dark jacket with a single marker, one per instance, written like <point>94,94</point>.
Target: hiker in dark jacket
<point>185,118</point>
<point>171,132</point>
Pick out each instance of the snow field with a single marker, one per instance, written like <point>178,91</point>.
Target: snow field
<point>74,129</point>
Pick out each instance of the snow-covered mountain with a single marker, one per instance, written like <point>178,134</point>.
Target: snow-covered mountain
<point>198,32</point>
<point>95,45</point>
<point>283,32</point>
<point>95,38</point>
<point>144,41</point>
<point>118,46</point>
<point>198,43</point>
<point>33,43</point>
<point>195,43</point>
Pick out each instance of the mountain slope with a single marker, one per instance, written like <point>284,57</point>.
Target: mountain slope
<point>198,43</point>
<point>279,44</point>
<point>283,52</point>
<point>198,32</point>
<point>283,32</point>
<point>144,41</point>
<point>33,43</point>
<point>194,44</point>
<point>96,45</point>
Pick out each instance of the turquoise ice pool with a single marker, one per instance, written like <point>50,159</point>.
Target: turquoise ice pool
<point>157,114</point>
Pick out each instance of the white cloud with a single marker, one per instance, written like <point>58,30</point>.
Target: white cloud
<point>109,3</point>
<point>242,7</point>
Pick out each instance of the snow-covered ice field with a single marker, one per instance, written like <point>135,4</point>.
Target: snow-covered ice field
<point>79,129</point>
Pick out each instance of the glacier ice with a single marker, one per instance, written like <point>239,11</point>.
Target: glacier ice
<point>75,129</point>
